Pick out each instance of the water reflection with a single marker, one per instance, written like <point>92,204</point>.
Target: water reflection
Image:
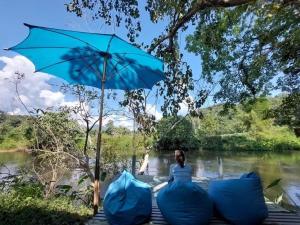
<point>10,162</point>
<point>215,165</point>
<point>225,165</point>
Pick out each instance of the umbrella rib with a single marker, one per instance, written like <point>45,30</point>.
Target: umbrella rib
<point>140,54</point>
<point>115,66</point>
<point>54,64</point>
<point>124,67</point>
<point>72,37</point>
<point>145,83</point>
<point>108,46</point>
<point>39,48</point>
<point>90,66</point>
<point>137,47</point>
<point>120,76</point>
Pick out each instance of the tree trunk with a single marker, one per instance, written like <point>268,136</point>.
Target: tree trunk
<point>297,131</point>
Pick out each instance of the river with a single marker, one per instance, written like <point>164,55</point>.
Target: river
<point>213,165</point>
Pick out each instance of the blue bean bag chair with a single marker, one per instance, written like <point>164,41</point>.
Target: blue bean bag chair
<point>185,203</point>
<point>127,201</point>
<point>240,201</point>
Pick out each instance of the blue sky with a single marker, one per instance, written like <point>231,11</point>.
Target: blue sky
<point>14,13</point>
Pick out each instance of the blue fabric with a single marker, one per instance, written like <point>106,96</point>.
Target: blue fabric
<point>178,173</point>
<point>127,201</point>
<point>77,57</point>
<point>185,203</point>
<point>240,201</point>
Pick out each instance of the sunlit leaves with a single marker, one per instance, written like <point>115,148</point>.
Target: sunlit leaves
<point>245,48</point>
<point>117,13</point>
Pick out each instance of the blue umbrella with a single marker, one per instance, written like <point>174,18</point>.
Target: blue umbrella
<point>99,60</point>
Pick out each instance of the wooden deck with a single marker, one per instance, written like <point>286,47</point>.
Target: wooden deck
<point>277,216</point>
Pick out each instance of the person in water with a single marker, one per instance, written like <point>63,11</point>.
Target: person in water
<point>180,171</point>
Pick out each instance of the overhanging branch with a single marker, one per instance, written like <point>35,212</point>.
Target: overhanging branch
<point>197,7</point>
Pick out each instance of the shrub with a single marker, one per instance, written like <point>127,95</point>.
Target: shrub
<point>19,209</point>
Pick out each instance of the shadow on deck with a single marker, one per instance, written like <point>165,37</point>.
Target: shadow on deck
<point>277,214</point>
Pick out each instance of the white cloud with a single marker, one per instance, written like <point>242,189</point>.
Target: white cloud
<point>183,109</point>
<point>184,106</point>
<point>34,90</point>
<point>51,98</point>
<point>152,109</point>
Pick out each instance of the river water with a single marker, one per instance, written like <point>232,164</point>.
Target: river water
<point>270,166</point>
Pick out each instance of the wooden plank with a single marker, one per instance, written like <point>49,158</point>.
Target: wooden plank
<point>144,165</point>
<point>159,186</point>
<point>277,215</point>
<point>274,218</point>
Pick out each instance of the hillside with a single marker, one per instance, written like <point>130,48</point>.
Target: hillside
<point>249,126</point>
<point>15,132</point>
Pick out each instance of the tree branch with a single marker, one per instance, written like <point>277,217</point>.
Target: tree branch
<point>197,7</point>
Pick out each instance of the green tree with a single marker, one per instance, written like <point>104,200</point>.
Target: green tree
<point>176,15</point>
<point>288,113</point>
<point>249,50</point>
<point>110,128</point>
<point>56,148</point>
<point>175,132</point>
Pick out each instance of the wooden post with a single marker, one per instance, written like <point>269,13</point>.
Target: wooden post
<point>133,163</point>
<point>99,137</point>
<point>144,165</point>
<point>220,167</point>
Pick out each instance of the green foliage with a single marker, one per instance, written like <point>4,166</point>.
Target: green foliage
<point>22,201</point>
<point>247,127</point>
<point>246,49</point>
<point>28,189</point>
<point>249,142</point>
<point>175,17</point>
<point>118,12</point>
<point>15,132</point>
<point>288,113</point>
<point>55,131</point>
<point>110,129</point>
<point>245,46</point>
<point>175,133</point>
<point>215,122</point>
<point>20,208</point>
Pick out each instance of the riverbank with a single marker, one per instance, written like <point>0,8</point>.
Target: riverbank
<point>15,150</point>
<point>260,141</point>
<point>211,164</point>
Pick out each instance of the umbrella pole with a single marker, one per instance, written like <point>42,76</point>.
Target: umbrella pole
<point>133,162</point>
<point>99,138</point>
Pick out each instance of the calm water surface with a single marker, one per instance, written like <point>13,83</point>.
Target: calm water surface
<point>227,165</point>
<point>270,166</point>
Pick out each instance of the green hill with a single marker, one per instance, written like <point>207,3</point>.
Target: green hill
<point>15,132</point>
<point>250,126</point>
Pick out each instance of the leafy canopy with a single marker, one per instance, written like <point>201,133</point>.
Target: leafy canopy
<point>249,50</point>
<point>178,14</point>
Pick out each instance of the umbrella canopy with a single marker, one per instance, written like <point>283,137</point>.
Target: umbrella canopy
<point>97,60</point>
<point>78,58</point>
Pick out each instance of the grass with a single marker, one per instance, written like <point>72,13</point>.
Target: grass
<point>12,145</point>
<point>24,204</point>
